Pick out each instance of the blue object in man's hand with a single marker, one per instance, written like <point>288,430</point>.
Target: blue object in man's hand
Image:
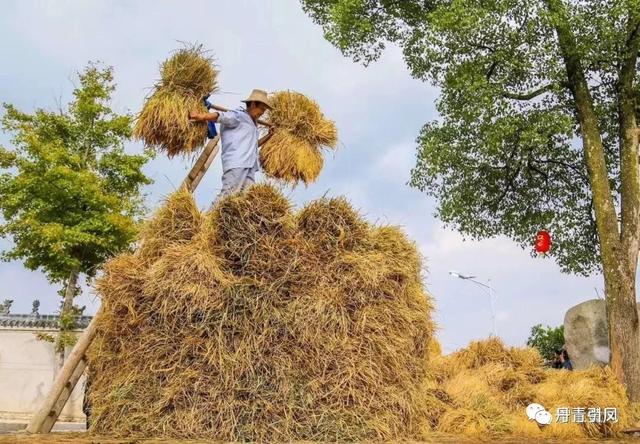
<point>205,102</point>
<point>211,126</point>
<point>211,130</point>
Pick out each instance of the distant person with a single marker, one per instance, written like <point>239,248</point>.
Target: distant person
<point>86,402</point>
<point>557,360</point>
<point>566,362</point>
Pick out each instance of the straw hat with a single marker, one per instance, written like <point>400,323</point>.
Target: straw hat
<point>258,95</point>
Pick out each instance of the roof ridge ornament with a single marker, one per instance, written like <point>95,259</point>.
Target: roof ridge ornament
<point>5,307</point>
<point>34,308</point>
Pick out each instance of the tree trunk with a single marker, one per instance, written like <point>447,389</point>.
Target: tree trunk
<point>67,307</point>
<point>618,244</point>
<point>624,330</point>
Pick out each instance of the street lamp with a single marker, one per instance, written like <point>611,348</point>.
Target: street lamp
<point>487,287</point>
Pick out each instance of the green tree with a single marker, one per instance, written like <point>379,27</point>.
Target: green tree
<point>70,196</point>
<point>539,107</point>
<point>547,340</point>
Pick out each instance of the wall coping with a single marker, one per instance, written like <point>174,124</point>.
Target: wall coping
<point>38,322</point>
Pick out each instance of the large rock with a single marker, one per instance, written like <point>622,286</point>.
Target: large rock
<point>586,334</point>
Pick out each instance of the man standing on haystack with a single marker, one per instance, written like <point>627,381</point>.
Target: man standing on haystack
<point>240,140</point>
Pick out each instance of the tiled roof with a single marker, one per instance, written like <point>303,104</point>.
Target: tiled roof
<point>38,321</point>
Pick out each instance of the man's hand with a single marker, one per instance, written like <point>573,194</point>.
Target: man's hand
<point>195,116</point>
<point>264,139</point>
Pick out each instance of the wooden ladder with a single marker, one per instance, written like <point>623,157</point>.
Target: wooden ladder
<point>74,366</point>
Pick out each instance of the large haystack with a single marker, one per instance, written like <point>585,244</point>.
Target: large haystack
<point>256,322</point>
<point>484,389</point>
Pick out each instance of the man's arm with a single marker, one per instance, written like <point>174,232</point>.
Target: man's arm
<point>228,119</point>
<point>203,117</point>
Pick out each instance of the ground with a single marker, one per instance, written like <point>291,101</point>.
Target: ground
<point>83,438</point>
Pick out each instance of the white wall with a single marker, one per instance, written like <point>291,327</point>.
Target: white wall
<point>27,367</point>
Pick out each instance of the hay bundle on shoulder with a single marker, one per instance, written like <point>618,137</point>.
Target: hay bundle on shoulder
<point>185,78</point>
<point>294,152</point>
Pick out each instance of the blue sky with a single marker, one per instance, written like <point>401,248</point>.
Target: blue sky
<point>271,44</point>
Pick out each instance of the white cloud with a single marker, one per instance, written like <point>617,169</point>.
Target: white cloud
<point>395,163</point>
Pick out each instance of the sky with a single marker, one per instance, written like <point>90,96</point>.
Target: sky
<point>273,45</point>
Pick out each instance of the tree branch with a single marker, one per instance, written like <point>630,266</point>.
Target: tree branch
<point>528,95</point>
<point>575,168</point>
<point>629,174</point>
<point>508,187</point>
<point>510,179</point>
<point>532,167</point>
<point>483,47</point>
<point>491,70</point>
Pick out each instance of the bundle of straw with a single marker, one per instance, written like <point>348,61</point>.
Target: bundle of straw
<point>239,330</point>
<point>483,390</point>
<point>163,124</point>
<point>294,152</point>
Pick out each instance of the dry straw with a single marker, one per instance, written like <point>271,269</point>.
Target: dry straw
<point>483,390</point>
<point>231,326</point>
<point>163,123</point>
<point>294,153</point>
<point>255,322</point>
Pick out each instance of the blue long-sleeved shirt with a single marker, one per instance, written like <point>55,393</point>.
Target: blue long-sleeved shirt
<point>239,136</point>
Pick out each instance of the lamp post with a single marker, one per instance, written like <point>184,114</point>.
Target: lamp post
<point>485,286</point>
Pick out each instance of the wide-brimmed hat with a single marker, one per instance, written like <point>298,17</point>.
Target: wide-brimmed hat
<point>258,95</point>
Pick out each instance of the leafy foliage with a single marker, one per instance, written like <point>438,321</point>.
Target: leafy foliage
<point>69,193</point>
<point>62,340</point>
<point>46,337</point>
<point>547,340</point>
<point>505,156</point>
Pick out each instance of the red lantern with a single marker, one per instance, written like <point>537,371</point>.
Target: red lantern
<point>543,242</point>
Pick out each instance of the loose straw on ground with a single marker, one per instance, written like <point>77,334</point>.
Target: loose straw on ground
<point>484,389</point>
